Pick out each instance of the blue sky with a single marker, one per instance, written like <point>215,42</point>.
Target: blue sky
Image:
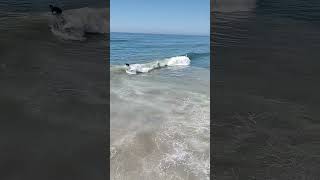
<point>160,16</point>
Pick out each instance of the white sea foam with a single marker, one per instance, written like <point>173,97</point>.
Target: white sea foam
<point>159,129</point>
<point>74,24</point>
<point>147,67</point>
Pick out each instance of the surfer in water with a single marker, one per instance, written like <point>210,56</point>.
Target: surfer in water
<point>128,67</point>
<point>142,68</point>
<point>55,10</point>
<point>58,14</point>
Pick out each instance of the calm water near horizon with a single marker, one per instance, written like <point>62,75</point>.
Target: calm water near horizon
<point>144,47</point>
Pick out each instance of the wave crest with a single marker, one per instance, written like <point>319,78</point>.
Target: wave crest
<point>147,67</point>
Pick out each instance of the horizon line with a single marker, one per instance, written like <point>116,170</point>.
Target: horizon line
<point>159,33</point>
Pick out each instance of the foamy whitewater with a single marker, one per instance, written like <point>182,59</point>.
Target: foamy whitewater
<point>178,61</point>
<point>74,24</point>
<point>159,107</point>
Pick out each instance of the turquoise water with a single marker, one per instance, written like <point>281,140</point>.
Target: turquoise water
<point>159,119</point>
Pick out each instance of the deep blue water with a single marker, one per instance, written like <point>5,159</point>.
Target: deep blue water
<point>142,48</point>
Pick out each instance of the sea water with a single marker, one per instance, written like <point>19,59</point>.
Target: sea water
<point>52,67</point>
<point>160,118</point>
<point>267,97</point>
<point>53,90</point>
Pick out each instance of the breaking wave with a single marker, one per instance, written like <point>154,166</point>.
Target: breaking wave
<point>147,67</point>
<point>75,24</point>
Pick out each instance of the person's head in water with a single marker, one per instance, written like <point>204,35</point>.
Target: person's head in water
<point>55,10</point>
<point>127,64</point>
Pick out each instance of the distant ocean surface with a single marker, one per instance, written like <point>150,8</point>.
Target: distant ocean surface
<point>160,119</point>
<point>143,48</point>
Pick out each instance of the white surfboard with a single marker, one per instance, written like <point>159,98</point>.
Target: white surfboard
<point>130,71</point>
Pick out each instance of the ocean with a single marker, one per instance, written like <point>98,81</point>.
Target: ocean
<point>266,106</point>
<point>53,90</point>
<point>159,124</point>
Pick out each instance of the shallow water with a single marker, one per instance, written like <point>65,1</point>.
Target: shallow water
<point>52,98</point>
<point>267,95</point>
<point>160,119</point>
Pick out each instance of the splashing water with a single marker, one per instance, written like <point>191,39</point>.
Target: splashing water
<point>75,24</point>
